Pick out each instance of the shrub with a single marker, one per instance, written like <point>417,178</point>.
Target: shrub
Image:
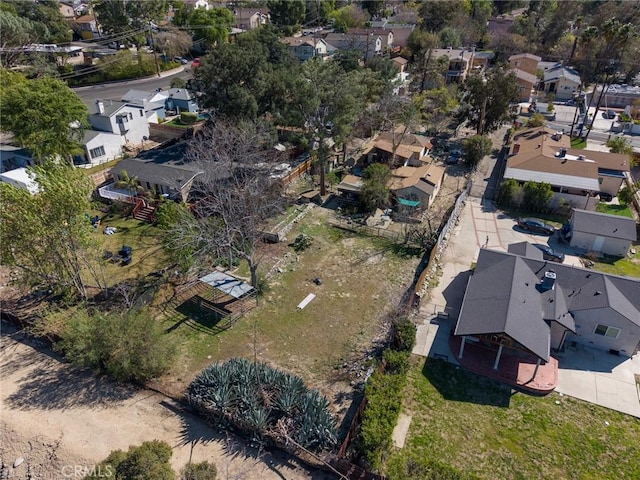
<point>536,120</point>
<point>537,195</point>
<point>404,335</point>
<point>384,401</point>
<point>125,346</point>
<point>507,192</point>
<point>302,242</point>
<point>149,461</point>
<point>188,118</point>
<point>258,400</point>
<point>199,471</point>
<point>397,362</point>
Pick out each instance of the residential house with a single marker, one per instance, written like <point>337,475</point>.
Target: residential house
<point>20,178</point>
<point>410,149</point>
<point>250,18</point>
<point>617,96</point>
<point>576,176</point>
<point>602,233</point>
<point>153,103</point>
<point>115,125</point>
<point>121,118</point>
<point>160,171</point>
<point>416,187</point>
<point>460,62</point>
<point>525,66</point>
<point>350,188</point>
<point>88,26</point>
<point>369,41</point>
<point>518,302</point>
<point>400,63</point>
<point>12,157</point>
<point>305,48</point>
<point>66,10</point>
<point>563,82</point>
<point>180,100</point>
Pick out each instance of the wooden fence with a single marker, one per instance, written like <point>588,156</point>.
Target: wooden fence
<point>297,172</point>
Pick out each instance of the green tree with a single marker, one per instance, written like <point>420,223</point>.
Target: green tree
<point>44,114</point>
<point>287,15</point>
<point>46,17</point>
<point>148,461</point>
<point>52,243</point>
<point>625,195</point>
<point>486,101</point>
<point>247,78</point>
<point>507,192</point>
<point>375,191</point>
<point>536,120</point>
<point>168,216</point>
<point>620,145</point>
<point>437,107</point>
<point>210,27</point>
<point>15,32</point>
<point>537,195</point>
<point>435,15</point>
<point>348,16</point>
<point>476,148</point>
<point>199,471</point>
<point>128,346</point>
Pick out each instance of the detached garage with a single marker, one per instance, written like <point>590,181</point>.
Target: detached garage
<point>601,232</point>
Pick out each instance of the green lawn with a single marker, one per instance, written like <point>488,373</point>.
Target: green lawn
<point>578,142</point>
<point>144,239</point>
<point>622,210</point>
<point>176,122</point>
<point>102,166</point>
<point>481,429</point>
<point>628,266</point>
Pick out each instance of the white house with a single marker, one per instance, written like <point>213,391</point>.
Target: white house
<point>602,233</point>
<point>153,103</point>
<point>122,118</point>
<point>563,82</point>
<point>114,126</point>
<point>20,178</point>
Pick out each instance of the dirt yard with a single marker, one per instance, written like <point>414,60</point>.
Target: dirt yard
<point>60,421</point>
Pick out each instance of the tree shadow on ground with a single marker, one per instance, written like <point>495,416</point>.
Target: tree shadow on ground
<point>196,431</point>
<point>50,385</point>
<point>459,385</point>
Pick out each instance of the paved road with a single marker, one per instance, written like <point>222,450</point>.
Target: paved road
<point>115,91</point>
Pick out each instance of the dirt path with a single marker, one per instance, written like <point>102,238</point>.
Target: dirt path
<point>57,418</point>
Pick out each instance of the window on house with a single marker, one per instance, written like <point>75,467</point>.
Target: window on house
<point>96,152</point>
<point>606,331</point>
<point>130,116</point>
<point>141,113</point>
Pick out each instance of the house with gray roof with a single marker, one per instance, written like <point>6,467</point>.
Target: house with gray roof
<point>180,100</point>
<point>163,171</point>
<point>602,233</point>
<point>515,300</point>
<point>153,103</point>
<point>563,82</point>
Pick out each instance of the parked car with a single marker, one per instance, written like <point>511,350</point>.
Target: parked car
<point>181,60</point>
<point>605,197</point>
<point>195,63</point>
<point>549,253</point>
<point>535,225</point>
<point>453,157</point>
<point>609,114</point>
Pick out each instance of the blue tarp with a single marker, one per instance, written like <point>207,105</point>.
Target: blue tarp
<point>409,203</point>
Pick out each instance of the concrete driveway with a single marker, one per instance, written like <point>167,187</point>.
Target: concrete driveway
<point>588,374</point>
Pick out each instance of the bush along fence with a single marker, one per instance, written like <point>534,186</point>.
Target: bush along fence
<point>265,404</point>
<point>383,400</point>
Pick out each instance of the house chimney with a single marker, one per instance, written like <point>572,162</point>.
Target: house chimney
<point>100,106</point>
<point>562,153</point>
<point>516,148</point>
<point>549,280</point>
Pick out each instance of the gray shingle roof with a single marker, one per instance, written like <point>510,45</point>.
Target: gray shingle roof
<point>525,249</point>
<point>503,296</point>
<point>605,225</point>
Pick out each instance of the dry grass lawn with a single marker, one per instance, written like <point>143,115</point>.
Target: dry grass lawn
<point>362,278</point>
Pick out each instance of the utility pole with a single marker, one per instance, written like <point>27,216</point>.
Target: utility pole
<point>153,46</point>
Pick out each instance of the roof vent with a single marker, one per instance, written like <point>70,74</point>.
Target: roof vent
<point>598,292</point>
<point>549,280</point>
<point>581,157</point>
<point>561,153</point>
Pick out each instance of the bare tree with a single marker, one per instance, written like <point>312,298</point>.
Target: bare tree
<point>173,41</point>
<point>236,193</point>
